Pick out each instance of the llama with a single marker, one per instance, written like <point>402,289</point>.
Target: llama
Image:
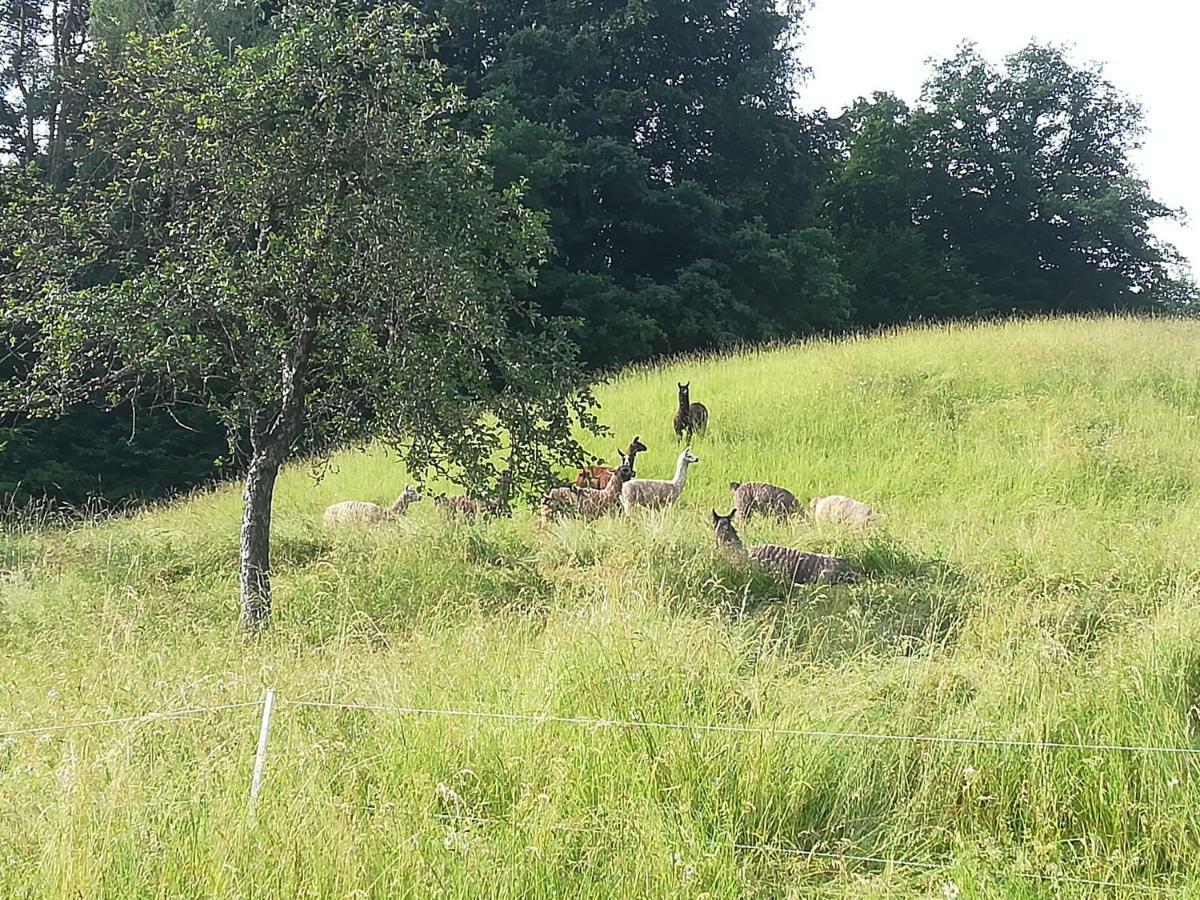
<point>840,510</point>
<point>586,503</point>
<point>465,508</point>
<point>365,511</point>
<point>796,566</point>
<point>597,477</point>
<point>645,493</point>
<point>757,496</point>
<point>690,417</point>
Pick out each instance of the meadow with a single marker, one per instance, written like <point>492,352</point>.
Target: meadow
<point>1034,580</point>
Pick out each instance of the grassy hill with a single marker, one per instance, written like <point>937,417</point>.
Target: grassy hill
<point>1035,579</point>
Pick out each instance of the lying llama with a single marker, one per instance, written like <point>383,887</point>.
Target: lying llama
<point>586,503</point>
<point>796,566</point>
<point>598,476</point>
<point>646,493</point>
<point>690,417</point>
<point>758,496</point>
<point>365,511</point>
<point>840,510</point>
<point>466,508</point>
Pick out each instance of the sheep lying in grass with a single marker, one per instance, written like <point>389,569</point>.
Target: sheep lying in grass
<point>365,511</point>
<point>586,503</point>
<point>646,493</point>
<point>840,510</point>
<point>797,566</point>
<point>757,496</point>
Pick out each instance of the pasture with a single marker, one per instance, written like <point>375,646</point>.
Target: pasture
<point>1033,579</point>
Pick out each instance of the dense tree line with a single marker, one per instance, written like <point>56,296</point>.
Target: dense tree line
<point>690,203</point>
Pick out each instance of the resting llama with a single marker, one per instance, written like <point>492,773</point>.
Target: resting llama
<point>365,511</point>
<point>840,510</point>
<point>586,503</point>
<point>646,493</point>
<point>689,417</point>
<point>757,496</point>
<point>466,508</point>
<point>796,566</point>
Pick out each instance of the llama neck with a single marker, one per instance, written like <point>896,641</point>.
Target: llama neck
<point>684,404</point>
<point>613,489</point>
<point>731,545</point>
<point>400,507</point>
<point>681,469</point>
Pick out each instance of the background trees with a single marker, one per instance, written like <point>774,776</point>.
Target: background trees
<point>689,203</point>
<point>300,240</point>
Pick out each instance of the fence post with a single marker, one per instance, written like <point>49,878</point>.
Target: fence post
<point>260,757</point>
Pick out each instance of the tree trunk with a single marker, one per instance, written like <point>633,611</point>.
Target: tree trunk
<point>254,575</point>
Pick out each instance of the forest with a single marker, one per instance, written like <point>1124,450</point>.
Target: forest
<point>674,194</point>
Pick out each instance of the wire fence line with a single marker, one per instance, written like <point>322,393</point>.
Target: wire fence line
<point>129,720</point>
<point>269,701</point>
<point>598,723</point>
<point>761,730</point>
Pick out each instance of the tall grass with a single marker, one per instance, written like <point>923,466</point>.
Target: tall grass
<point>1035,579</point>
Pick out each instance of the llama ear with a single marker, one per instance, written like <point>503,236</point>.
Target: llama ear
<point>716,518</point>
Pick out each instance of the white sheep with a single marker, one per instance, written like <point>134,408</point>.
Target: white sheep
<point>839,510</point>
<point>367,512</point>
<point>646,493</point>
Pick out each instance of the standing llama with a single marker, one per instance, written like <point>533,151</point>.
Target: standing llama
<point>598,476</point>
<point>757,496</point>
<point>646,493</point>
<point>690,417</point>
<point>796,566</point>
<point>367,512</point>
<point>586,503</point>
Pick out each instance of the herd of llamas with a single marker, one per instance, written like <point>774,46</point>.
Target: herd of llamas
<point>601,490</point>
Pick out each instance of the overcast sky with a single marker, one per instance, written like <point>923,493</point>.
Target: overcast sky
<point>1149,49</point>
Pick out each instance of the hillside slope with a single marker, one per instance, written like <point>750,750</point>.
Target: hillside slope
<point>1034,580</point>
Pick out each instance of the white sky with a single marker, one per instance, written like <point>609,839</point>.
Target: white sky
<point>1148,48</point>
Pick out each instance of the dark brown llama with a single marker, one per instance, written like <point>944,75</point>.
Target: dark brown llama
<point>689,417</point>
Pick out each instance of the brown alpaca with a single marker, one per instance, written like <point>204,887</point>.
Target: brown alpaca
<point>796,566</point>
<point>597,477</point>
<point>757,496</point>
<point>689,417</point>
<point>464,507</point>
<point>586,503</point>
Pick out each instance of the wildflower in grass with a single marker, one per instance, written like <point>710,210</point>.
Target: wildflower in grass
<point>950,890</point>
<point>1174,783</point>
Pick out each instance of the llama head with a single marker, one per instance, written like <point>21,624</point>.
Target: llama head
<point>812,504</point>
<point>723,528</point>
<point>636,445</point>
<point>627,463</point>
<point>734,485</point>
<point>688,457</point>
<point>683,389</point>
<point>410,495</point>
<point>624,472</point>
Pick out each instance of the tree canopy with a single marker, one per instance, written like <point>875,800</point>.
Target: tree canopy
<point>688,200</point>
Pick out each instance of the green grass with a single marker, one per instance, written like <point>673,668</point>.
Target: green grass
<point>1035,578</point>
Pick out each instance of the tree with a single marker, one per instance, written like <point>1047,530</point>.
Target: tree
<point>661,138</point>
<point>1032,182</point>
<point>42,52</point>
<point>300,239</point>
